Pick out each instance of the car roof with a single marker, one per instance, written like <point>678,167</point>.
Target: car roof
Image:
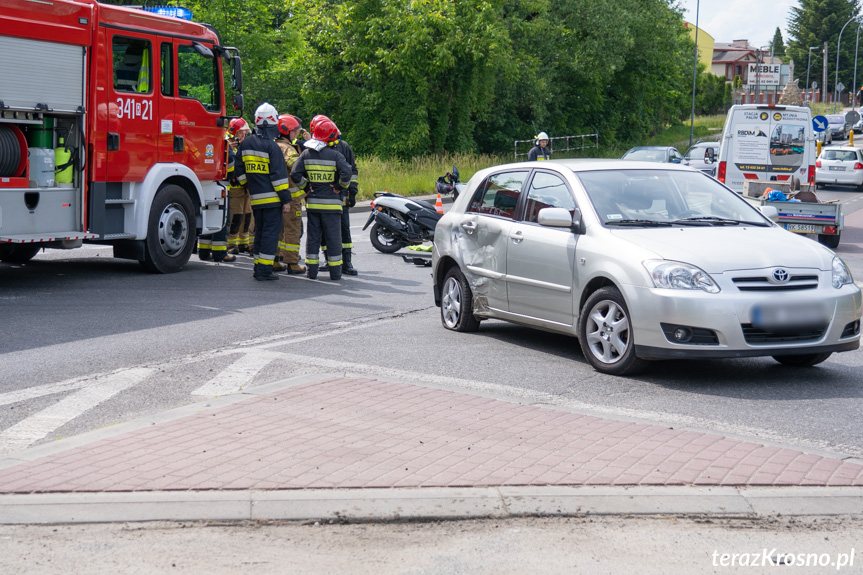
<point>589,164</point>
<point>838,117</point>
<point>650,148</point>
<point>840,148</point>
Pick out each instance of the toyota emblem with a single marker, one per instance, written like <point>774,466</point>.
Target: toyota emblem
<point>780,275</point>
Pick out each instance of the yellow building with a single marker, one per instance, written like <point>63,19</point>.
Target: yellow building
<point>705,45</point>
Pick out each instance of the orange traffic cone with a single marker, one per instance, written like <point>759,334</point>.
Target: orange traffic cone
<point>438,205</point>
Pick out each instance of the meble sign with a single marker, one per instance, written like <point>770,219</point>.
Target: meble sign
<point>764,74</point>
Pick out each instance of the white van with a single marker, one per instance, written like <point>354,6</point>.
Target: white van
<point>765,142</point>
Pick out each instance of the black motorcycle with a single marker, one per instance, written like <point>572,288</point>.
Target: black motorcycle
<point>400,222</point>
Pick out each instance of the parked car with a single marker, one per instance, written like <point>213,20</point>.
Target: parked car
<point>640,262</point>
<point>668,154</point>
<point>837,126</point>
<point>842,165</point>
<point>702,156</point>
<point>858,127</point>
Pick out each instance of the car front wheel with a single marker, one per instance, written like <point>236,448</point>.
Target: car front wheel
<point>456,306</point>
<point>605,334</point>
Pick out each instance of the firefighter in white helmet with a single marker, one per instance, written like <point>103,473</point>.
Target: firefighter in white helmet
<point>540,149</point>
<point>260,166</point>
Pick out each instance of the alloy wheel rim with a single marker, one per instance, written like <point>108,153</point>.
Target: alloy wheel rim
<point>451,302</point>
<point>607,331</point>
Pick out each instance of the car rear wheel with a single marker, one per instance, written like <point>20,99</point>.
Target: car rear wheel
<point>605,334</point>
<point>805,360</point>
<point>456,306</point>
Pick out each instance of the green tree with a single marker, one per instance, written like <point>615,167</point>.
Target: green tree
<point>777,46</point>
<point>814,22</point>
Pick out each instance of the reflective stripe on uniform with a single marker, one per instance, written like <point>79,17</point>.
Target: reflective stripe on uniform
<point>289,247</point>
<point>256,162</point>
<point>322,171</point>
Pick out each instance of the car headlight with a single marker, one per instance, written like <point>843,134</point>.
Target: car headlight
<point>678,275</point>
<point>841,273</point>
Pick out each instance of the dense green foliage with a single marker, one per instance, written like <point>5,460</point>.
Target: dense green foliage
<point>815,22</point>
<point>405,78</point>
<point>777,46</point>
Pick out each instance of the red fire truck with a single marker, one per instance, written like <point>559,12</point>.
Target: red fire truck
<point>112,123</point>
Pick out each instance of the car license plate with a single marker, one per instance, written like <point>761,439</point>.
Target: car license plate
<point>801,228</point>
<point>837,168</point>
<point>788,315</point>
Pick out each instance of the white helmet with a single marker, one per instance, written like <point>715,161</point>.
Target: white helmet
<point>542,136</point>
<point>266,115</point>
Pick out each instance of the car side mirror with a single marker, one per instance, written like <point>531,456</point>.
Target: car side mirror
<point>675,160</point>
<point>770,212</point>
<point>560,218</point>
<point>709,155</point>
<point>238,102</point>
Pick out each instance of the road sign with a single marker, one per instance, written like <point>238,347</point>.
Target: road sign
<point>852,117</point>
<point>839,87</point>
<point>814,85</point>
<point>819,123</point>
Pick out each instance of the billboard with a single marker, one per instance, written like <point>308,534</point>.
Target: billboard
<point>763,74</point>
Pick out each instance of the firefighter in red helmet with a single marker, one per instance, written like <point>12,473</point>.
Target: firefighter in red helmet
<point>325,175</point>
<point>288,257</point>
<point>241,210</point>
<point>349,198</point>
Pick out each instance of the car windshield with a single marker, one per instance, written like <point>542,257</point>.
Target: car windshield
<point>649,155</point>
<point>664,197</point>
<point>835,119</point>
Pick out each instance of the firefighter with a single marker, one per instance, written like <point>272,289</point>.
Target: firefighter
<point>260,166</point>
<point>540,151</point>
<point>349,199</point>
<point>288,257</point>
<point>241,209</point>
<point>325,175</point>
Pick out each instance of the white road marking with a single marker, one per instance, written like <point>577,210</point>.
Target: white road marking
<point>26,432</point>
<point>238,375</point>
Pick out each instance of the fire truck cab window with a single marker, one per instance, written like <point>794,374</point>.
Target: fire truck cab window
<point>167,70</point>
<point>132,65</point>
<point>198,78</point>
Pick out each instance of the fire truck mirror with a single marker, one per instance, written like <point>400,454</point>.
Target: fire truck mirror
<point>237,78</point>
<point>238,102</point>
<point>202,50</point>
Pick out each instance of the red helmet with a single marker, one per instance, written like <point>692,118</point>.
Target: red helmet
<point>325,131</point>
<point>320,118</point>
<point>287,123</point>
<point>238,125</point>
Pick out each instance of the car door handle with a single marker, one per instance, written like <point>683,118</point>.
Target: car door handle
<point>469,226</point>
<point>517,237</point>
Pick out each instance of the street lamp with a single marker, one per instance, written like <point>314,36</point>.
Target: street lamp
<point>838,46</point>
<point>856,48</point>
<point>808,65</point>
<point>694,73</point>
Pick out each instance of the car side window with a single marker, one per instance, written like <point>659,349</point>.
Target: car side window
<point>132,65</point>
<point>498,194</point>
<point>547,191</point>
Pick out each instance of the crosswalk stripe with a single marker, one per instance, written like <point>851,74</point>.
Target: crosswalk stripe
<point>238,374</point>
<point>36,427</point>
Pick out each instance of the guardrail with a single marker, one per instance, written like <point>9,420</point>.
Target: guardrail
<point>566,144</point>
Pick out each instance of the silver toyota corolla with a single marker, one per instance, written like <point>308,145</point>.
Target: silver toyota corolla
<point>641,262</point>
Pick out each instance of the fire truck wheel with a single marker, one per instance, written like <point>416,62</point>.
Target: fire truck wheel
<point>18,253</point>
<point>170,232</point>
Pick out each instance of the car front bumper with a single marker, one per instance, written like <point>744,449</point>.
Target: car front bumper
<point>725,319</point>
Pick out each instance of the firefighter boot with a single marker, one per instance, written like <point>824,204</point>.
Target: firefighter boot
<point>278,266</point>
<point>205,255</point>
<point>335,272</point>
<point>312,271</point>
<point>347,266</point>
<point>296,268</point>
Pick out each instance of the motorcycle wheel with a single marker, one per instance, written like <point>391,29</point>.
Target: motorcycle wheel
<point>383,240</point>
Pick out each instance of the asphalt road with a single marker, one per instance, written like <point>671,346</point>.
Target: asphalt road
<point>90,341</point>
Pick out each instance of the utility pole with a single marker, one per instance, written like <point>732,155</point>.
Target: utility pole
<point>824,80</point>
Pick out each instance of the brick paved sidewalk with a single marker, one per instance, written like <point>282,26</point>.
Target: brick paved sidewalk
<point>363,433</point>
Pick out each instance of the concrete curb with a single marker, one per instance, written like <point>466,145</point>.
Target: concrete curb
<point>414,504</point>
